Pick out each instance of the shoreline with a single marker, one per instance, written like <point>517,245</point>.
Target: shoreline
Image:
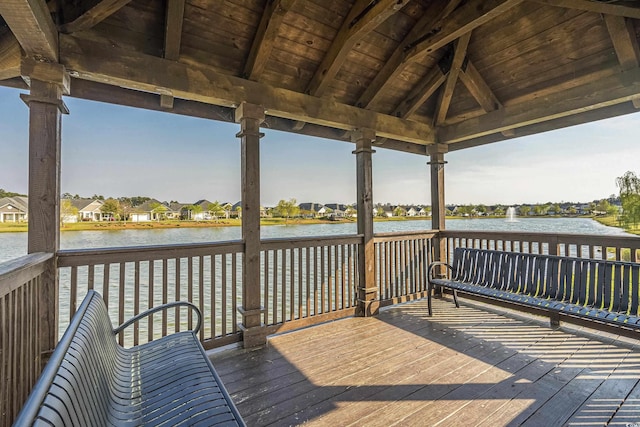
<point>234,222</point>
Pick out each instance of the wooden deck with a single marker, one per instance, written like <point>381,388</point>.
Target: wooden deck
<point>475,366</point>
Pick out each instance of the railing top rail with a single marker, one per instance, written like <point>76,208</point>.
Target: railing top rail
<point>303,242</point>
<point>632,241</point>
<point>395,235</point>
<point>16,272</point>
<point>76,257</point>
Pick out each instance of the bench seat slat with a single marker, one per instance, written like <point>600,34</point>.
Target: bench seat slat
<point>94,381</point>
<point>599,290</point>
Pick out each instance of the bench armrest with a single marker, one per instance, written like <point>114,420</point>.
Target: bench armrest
<point>435,264</point>
<point>163,307</point>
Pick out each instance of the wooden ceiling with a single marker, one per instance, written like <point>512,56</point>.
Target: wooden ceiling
<point>462,73</point>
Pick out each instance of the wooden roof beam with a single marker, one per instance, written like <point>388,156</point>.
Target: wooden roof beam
<point>463,20</point>
<point>612,90</point>
<point>625,43</point>
<point>423,91</point>
<point>121,67</point>
<point>479,88</point>
<point>85,89</point>
<point>363,18</point>
<point>90,13</point>
<point>10,56</point>
<point>452,79</point>
<point>628,9</point>
<point>174,19</point>
<point>31,23</point>
<point>265,37</point>
<point>438,10</point>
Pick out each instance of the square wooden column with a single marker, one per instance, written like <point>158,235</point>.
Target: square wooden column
<point>250,117</point>
<point>368,304</point>
<point>48,82</point>
<point>438,208</point>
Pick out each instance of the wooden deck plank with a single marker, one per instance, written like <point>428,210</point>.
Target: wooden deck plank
<point>476,365</point>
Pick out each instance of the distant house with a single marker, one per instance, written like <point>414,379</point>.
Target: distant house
<point>176,211</point>
<point>14,209</point>
<point>204,214</point>
<point>413,210</point>
<point>151,210</point>
<point>312,210</point>
<point>337,210</point>
<point>88,210</point>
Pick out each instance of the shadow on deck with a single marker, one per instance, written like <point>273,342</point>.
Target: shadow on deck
<point>476,365</point>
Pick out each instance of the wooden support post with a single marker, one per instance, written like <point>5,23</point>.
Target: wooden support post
<point>437,163</point>
<point>250,117</point>
<point>48,83</point>
<point>368,304</point>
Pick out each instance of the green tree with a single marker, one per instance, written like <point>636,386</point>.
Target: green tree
<point>111,208</point>
<point>158,211</point>
<point>67,212</point>
<point>215,209</point>
<point>398,211</point>
<point>499,210</point>
<point>197,209</point>
<point>239,211</point>
<point>629,185</point>
<point>4,193</point>
<point>287,209</point>
<point>524,210</point>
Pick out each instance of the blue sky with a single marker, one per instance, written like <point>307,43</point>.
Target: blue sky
<point>118,151</point>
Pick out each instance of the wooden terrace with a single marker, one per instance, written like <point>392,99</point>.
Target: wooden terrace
<point>426,77</point>
<point>473,366</point>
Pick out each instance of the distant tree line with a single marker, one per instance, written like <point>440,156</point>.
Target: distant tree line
<point>629,185</point>
<point>4,193</point>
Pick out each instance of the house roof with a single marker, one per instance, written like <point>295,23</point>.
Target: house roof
<point>311,206</point>
<point>471,72</point>
<point>81,204</point>
<point>18,202</point>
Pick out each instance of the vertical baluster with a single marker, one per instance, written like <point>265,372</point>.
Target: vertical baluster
<point>300,282</point>
<point>388,270</point>
<point>234,293</point>
<point>308,267</point>
<point>165,294</point>
<point>212,295</point>
<point>322,280</point>
<point>224,302</point>
<point>91,275</point>
<point>201,294</point>
<point>265,275</point>
<point>342,276</point>
<point>316,260</point>
<point>176,295</point>
<point>190,291</point>
<point>121,301</point>
<point>73,292</point>
<point>284,286</point>
<point>330,278</point>
<point>150,302</point>
<point>275,288</point>
<point>398,269</point>
<point>136,303</point>
<point>105,284</point>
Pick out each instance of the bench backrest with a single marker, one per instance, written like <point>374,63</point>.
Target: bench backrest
<point>74,388</point>
<point>610,285</point>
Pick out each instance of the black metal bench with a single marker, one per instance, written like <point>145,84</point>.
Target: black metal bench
<point>90,380</point>
<point>586,291</point>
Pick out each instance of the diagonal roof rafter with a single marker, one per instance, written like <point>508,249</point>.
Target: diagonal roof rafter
<point>363,18</point>
<point>91,13</point>
<point>625,44</point>
<point>446,93</point>
<point>437,11</point>
<point>272,18</point>
<point>31,24</point>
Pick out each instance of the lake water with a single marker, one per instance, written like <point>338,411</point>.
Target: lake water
<point>13,245</point>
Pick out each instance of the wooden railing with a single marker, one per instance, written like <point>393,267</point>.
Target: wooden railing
<point>401,261</point>
<point>21,290</point>
<point>620,248</point>
<point>134,279</point>
<point>308,280</point>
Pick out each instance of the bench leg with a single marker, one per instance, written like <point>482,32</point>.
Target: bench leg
<point>455,298</point>
<point>429,291</point>
<point>554,320</point>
